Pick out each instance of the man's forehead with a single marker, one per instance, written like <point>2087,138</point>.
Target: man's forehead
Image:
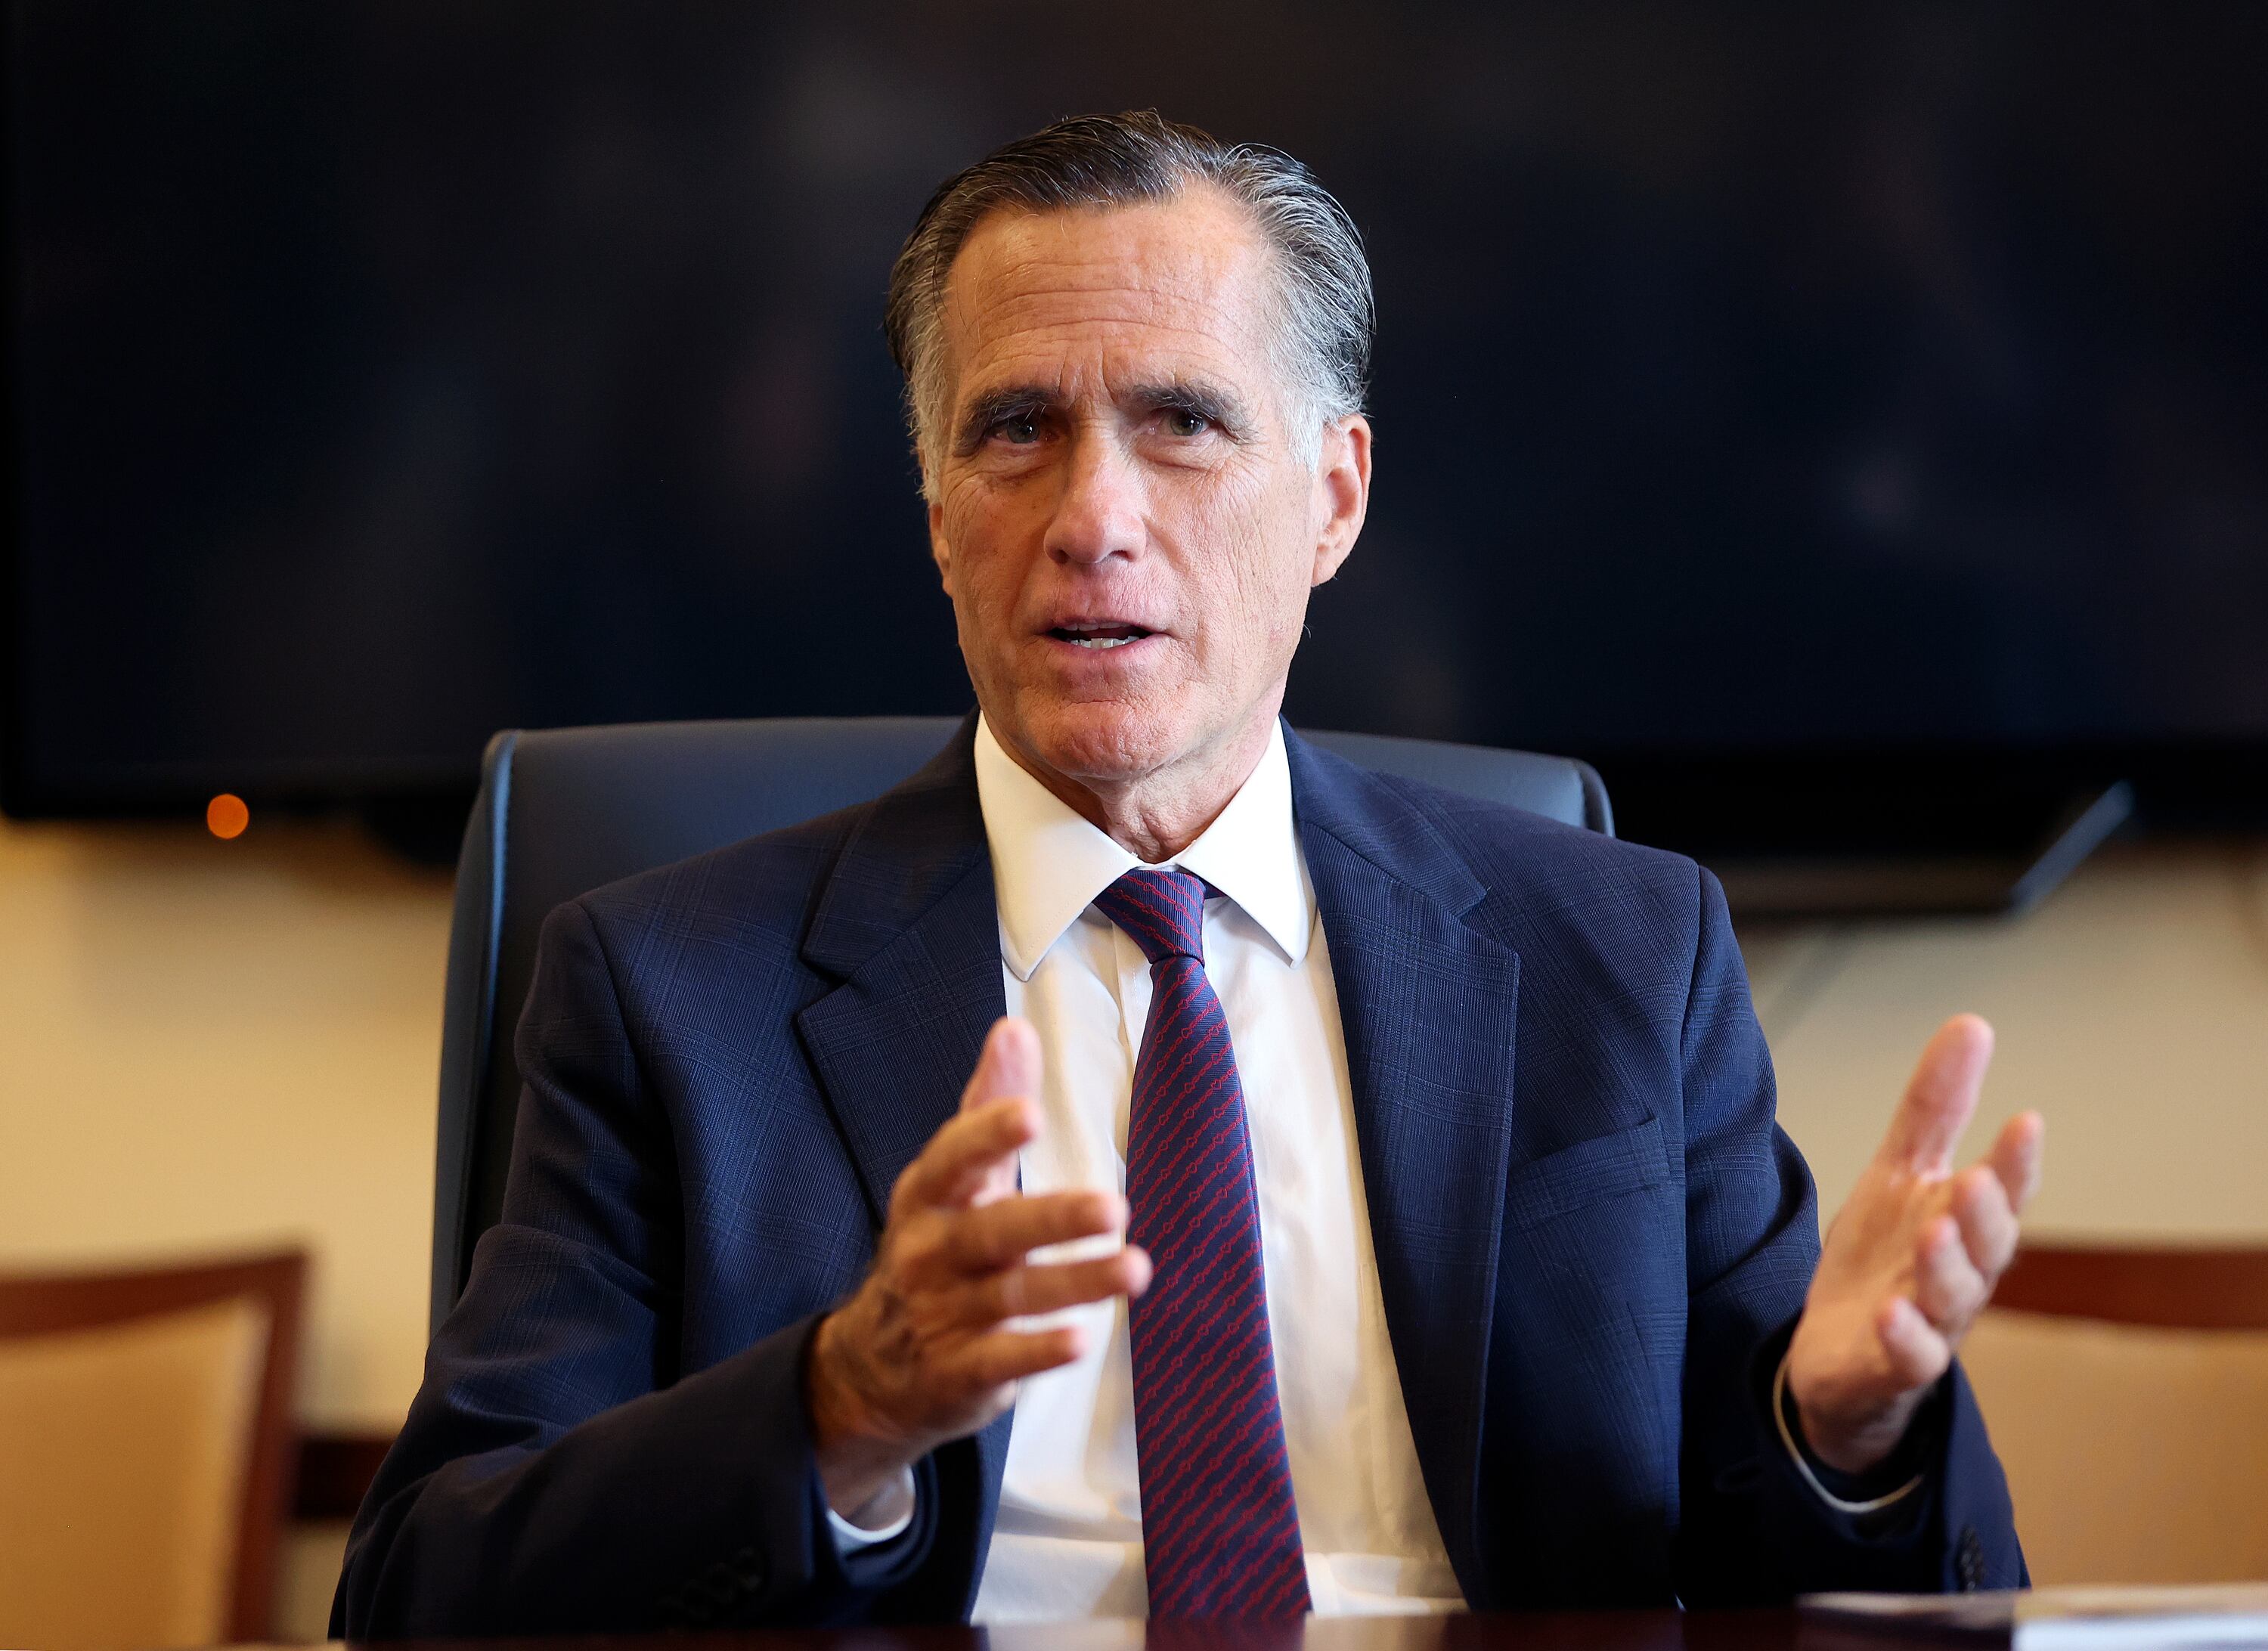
<point>1186,278</point>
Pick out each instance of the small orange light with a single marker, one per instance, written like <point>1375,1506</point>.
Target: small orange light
<point>226,816</point>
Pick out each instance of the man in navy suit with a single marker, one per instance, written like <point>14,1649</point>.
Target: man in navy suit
<point>1143,1162</point>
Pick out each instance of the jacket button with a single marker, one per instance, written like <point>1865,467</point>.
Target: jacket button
<point>1968,1560</point>
<point>748,1566</point>
<point>1740,1477</point>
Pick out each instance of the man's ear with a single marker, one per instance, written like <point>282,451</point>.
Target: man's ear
<point>1342,493</point>
<point>940,551</point>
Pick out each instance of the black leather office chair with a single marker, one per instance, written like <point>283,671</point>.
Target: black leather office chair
<point>566,810</point>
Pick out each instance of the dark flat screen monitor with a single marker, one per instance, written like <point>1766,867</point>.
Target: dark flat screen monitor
<point>1761,391</point>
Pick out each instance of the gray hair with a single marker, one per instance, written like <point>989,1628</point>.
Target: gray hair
<point>1325,321</point>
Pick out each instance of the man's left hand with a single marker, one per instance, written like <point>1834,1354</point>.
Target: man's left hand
<point>1911,1259</point>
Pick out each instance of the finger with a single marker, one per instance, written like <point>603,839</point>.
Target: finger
<point>998,1235</point>
<point>1020,1292</point>
<point>1988,1226</point>
<point>948,1171</point>
<point>1917,1354</point>
<point>1009,1065</point>
<point>1010,1355</point>
<point>2016,1155</point>
<point>1948,1288</point>
<point>1941,1095</point>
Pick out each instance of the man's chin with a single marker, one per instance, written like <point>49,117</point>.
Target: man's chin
<point>1106,742</point>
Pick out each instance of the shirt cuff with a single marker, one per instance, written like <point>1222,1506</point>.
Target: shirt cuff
<point>1874,1505</point>
<point>849,1538</point>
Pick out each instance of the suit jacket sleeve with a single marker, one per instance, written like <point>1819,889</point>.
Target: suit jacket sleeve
<point>1752,1531</point>
<point>557,1470</point>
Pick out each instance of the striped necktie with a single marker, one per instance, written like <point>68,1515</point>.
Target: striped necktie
<point>1220,1532</point>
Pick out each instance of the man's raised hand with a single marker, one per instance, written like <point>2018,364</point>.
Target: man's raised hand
<point>1911,1258</point>
<point>922,1353</point>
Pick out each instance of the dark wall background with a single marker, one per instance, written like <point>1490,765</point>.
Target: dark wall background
<point>1751,379</point>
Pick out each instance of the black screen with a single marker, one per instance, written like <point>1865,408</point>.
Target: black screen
<point>1761,379</point>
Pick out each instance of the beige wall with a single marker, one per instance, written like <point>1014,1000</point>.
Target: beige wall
<point>2131,1009</point>
<point>210,1045</point>
<point>206,1045</point>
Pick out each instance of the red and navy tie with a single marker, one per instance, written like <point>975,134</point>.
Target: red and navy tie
<point>1220,1531</point>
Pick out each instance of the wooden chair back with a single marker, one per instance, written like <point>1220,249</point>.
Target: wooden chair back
<point>2173,1289</point>
<point>2126,1389</point>
<point>107,1374</point>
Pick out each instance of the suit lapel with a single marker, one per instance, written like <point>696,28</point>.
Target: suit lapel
<point>895,1043</point>
<point>1427,1005</point>
<point>908,925</point>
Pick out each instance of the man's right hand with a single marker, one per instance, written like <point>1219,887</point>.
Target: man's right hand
<point>922,1353</point>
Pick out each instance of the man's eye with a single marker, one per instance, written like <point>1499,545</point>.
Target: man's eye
<point>1018,429</point>
<point>1182,422</point>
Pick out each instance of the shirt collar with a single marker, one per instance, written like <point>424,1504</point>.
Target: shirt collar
<point>1049,863</point>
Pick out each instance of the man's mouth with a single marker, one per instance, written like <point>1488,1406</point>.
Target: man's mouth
<point>1098,636</point>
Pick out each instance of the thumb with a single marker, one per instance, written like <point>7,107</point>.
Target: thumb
<point>1940,1097</point>
<point>1010,1064</point>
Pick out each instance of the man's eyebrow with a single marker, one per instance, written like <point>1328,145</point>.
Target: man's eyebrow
<point>1208,401</point>
<point>988,408</point>
<point>1212,402</point>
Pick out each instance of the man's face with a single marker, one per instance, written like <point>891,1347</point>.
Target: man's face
<point>1121,509</point>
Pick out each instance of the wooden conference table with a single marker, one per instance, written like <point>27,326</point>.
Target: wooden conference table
<point>1555,1631</point>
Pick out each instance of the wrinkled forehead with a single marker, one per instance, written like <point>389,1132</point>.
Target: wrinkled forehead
<point>1182,285</point>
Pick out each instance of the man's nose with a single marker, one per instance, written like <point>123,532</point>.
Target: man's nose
<point>1101,513</point>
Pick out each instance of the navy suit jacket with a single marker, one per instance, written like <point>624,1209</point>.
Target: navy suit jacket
<point>1592,1236</point>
